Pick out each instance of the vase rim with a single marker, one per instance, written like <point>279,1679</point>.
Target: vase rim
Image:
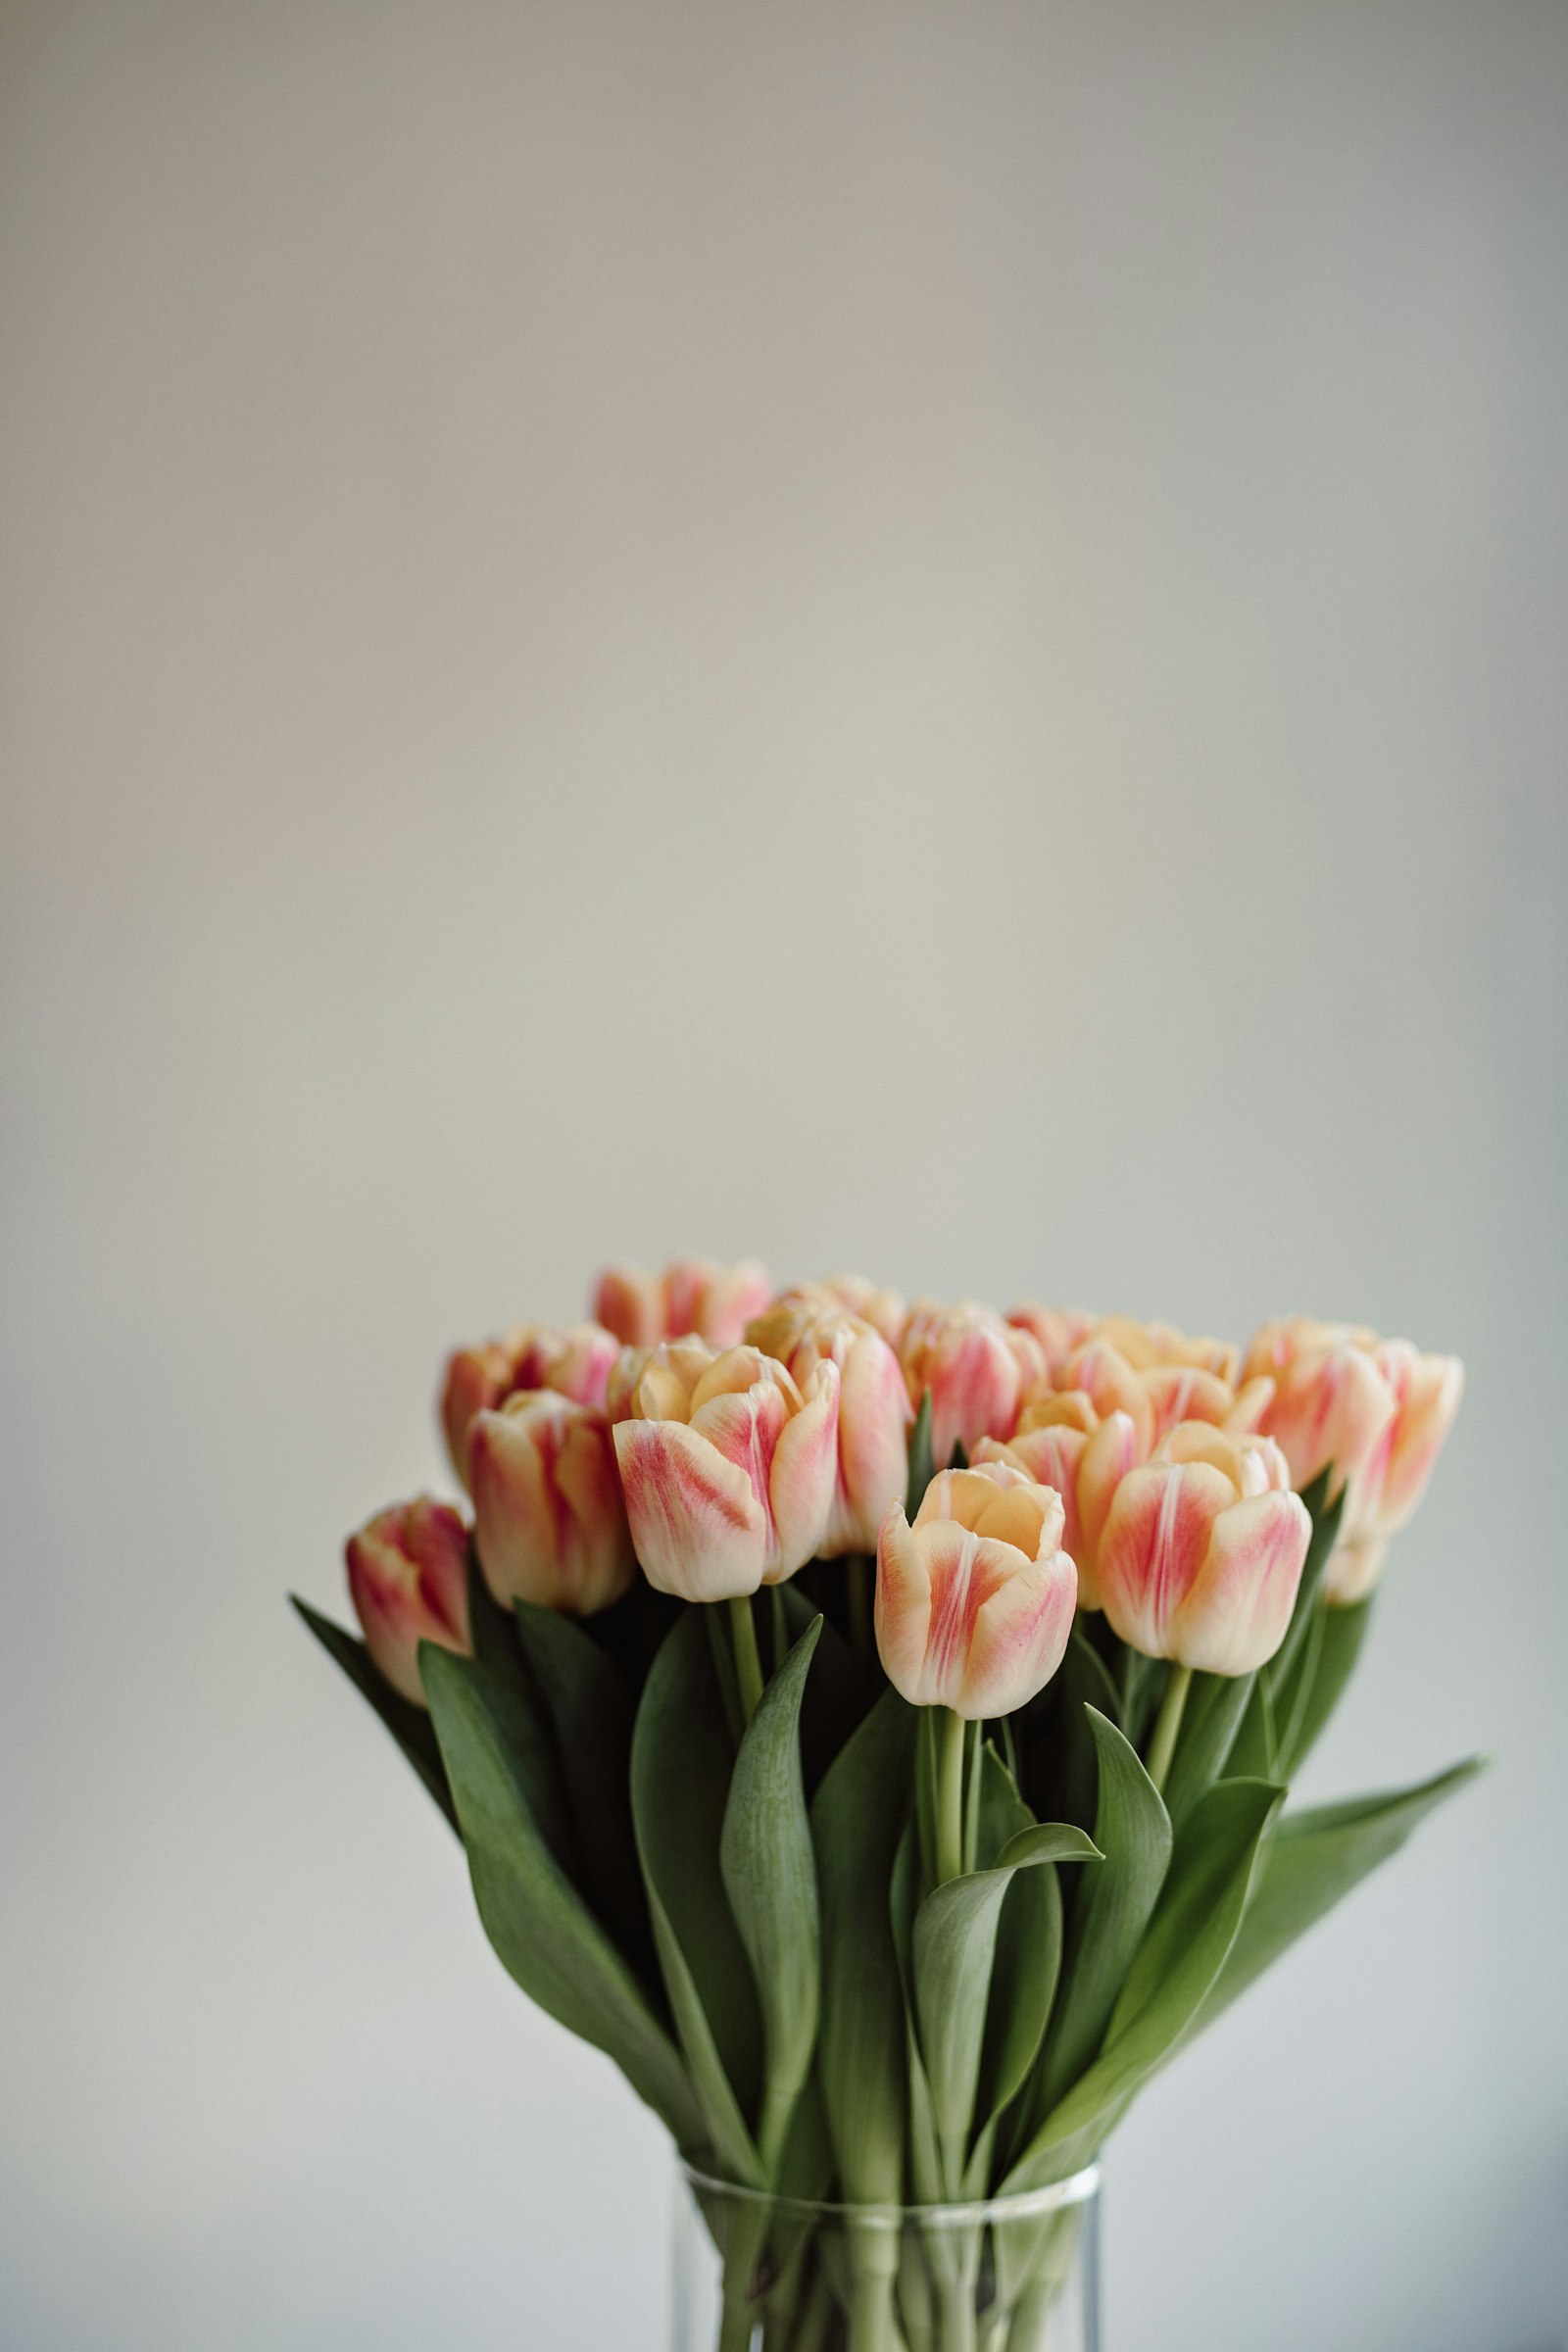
<point>1024,2205</point>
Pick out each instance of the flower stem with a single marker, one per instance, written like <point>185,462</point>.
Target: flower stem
<point>1162,1747</point>
<point>949,1797</point>
<point>748,1657</point>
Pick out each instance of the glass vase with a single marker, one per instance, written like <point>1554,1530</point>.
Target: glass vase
<point>755,2272</point>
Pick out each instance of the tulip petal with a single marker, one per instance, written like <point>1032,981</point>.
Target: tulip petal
<point>1154,1546</point>
<point>1019,1635</point>
<point>1234,1614</point>
<point>802,1475</point>
<point>696,1523</point>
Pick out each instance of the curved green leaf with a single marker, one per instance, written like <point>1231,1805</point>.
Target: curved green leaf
<point>770,1873</point>
<point>680,1767</point>
<point>952,1949</point>
<point>1181,1954</point>
<point>589,1707</point>
<point>541,1930</point>
<point>1112,1911</point>
<point>857,1818</point>
<point>1341,1634</point>
<point>409,1724</point>
<point>1314,1858</point>
<point>1216,1704</point>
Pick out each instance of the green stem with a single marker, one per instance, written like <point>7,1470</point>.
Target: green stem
<point>949,1797</point>
<point>748,1657</point>
<point>1162,1747</point>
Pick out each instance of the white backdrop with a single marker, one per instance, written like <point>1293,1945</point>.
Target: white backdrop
<point>921,637</point>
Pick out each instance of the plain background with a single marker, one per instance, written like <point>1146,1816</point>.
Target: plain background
<point>922,637</point>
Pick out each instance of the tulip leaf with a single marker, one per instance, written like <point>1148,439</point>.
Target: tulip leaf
<point>836,1692</point>
<point>492,1630</point>
<point>1183,1950</point>
<point>1341,1631</point>
<point>1112,1909</point>
<point>409,1724</point>
<point>857,1817</point>
<point>1063,1758</point>
<point>1003,1812</point>
<point>921,1466</point>
<point>1023,1985</point>
<point>903,1900</point>
<point>1314,1858</point>
<point>1216,1704</point>
<point>770,1873</point>
<point>585,1696</point>
<point>1325,1517</point>
<point>680,1768</point>
<point>1254,1755</point>
<point>541,1930</point>
<point>953,1950</point>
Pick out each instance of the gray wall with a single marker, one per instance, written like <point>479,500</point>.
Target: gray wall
<point>927,637</point>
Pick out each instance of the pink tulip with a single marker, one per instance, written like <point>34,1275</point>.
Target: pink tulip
<point>883,1309</point>
<point>1202,1552</point>
<point>1059,1330</point>
<point>1144,1345</point>
<point>976,1369</point>
<point>874,1411</point>
<point>728,1469</point>
<point>975,1602</point>
<point>575,1362</point>
<point>691,1297</point>
<point>549,1520</point>
<point>407,1578</point>
<point>1378,1411</point>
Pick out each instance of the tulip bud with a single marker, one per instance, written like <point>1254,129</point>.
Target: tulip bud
<point>976,1369</point>
<point>1202,1552</point>
<point>575,1362</point>
<point>974,1601</point>
<point>407,1578</point>
<point>1059,1330</point>
<point>883,1309</point>
<point>1375,1412</point>
<point>1144,1345</point>
<point>728,1469</point>
<point>874,1410</point>
<point>549,1520</point>
<point>691,1297</point>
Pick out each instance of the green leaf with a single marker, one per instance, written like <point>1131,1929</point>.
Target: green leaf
<point>1062,1758</point>
<point>541,1930</point>
<point>1341,1631</point>
<point>857,1818</point>
<point>1112,1910</point>
<point>836,1692</point>
<point>960,1455</point>
<point>952,1948</point>
<point>1215,1706</point>
<point>921,1466</point>
<point>1023,1987</point>
<point>1254,1755</point>
<point>1181,1954</point>
<point>680,1768</point>
<point>1314,1858</point>
<point>1325,1517</point>
<point>585,1696</point>
<point>904,1900</point>
<point>769,1870</point>
<point>409,1724</point>
<point>492,1630</point>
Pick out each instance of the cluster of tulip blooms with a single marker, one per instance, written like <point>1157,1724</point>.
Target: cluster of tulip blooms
<point>870,1724</point>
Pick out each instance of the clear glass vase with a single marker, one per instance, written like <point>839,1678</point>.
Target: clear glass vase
<point>761,2273</point>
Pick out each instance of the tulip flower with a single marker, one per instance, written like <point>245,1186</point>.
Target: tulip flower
<point>692,1296</point>
<point>575,1362</point>
<point>976,1369</point>
<point>1203,1549</point>
<point>883,1309</point>
<point>974,1601</point>
<point>408,1579</point>
<point>1144,1345</point>
<point>1375,1412</point>
<point>874,1410</point>
<point>550,1524</point>
<point>1084,1460</point>
<point>1059,1329</point>
<point>727,1468</point>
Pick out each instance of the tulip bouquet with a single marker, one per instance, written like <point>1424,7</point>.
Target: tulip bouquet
<point>871,1728</point>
